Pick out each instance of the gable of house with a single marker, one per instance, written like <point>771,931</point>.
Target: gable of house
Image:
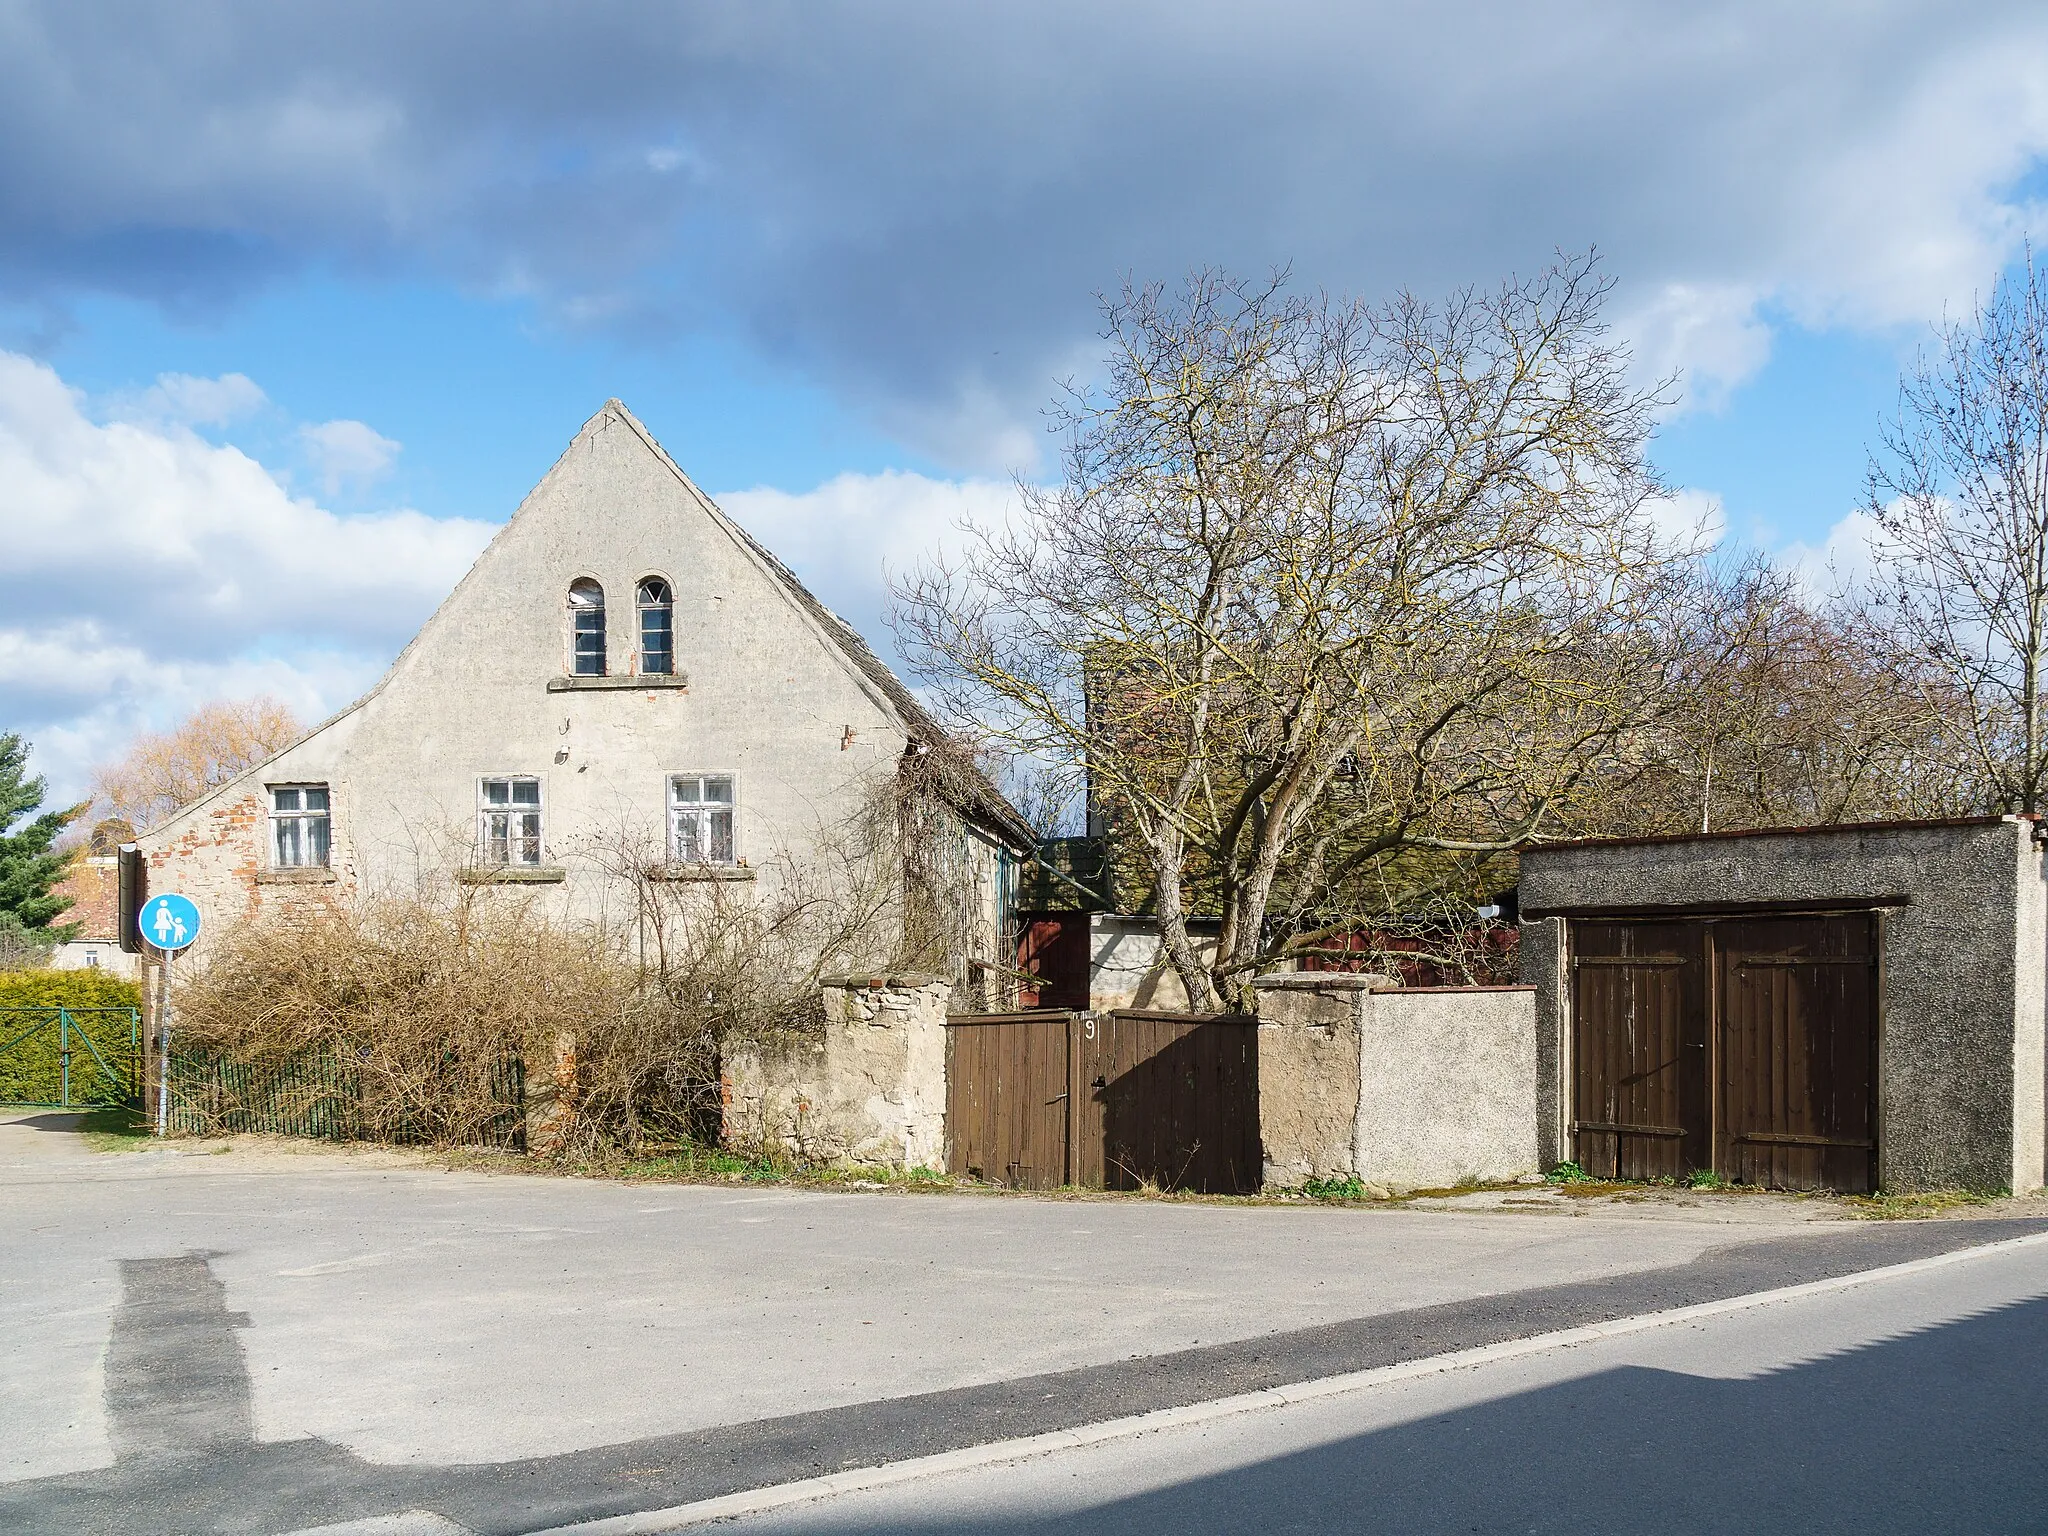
<point>770,697</point>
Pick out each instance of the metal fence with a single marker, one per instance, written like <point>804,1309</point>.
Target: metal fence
<point>70,1058</point>
<point>325,1093</point>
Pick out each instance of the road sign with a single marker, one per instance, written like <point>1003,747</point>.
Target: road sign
<point>169,922</point>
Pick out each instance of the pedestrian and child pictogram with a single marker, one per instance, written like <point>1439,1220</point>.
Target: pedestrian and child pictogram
<point>168,921</point>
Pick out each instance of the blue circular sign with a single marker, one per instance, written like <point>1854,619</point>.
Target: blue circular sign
<point>168,922</point>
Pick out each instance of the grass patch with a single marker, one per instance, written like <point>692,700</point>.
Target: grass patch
<point>1350,1187</point>
<point>1567,1173</point>
<point>693,1163</point>
<point>1889,1207</point>
<point>116,1128</point>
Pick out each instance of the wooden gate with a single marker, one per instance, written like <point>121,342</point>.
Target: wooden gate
<point>1798,1070</point>
<point>1744,1044</point>
<point>1008,1080</point>
<point>1105,1100</point>
<point>1168,1099</point>
<point>1640,1049</point>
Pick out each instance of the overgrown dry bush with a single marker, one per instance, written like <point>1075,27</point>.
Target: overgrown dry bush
<point>422,1002</point>
<point>398,1019</point>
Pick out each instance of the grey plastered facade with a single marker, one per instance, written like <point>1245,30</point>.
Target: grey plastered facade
<point>1963,970</point>
<point>768,688</point>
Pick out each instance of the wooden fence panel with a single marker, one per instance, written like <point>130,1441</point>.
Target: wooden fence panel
<point>1113,1100</point>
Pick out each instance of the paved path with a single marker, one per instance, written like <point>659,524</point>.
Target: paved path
<point>264,1340</point>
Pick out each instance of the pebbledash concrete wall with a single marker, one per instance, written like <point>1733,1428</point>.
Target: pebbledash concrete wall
<point>870,1089</point>
<point>1963,970</point>
<point>1403,1088</point>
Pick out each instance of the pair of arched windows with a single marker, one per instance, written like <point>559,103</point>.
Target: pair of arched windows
<point>656,602</point>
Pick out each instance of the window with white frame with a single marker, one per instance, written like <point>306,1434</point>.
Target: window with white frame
<point>657,627</point>
<point>508,821</point>
<point>586,628</point>
<point>700,810</point>
<point>299,826</point>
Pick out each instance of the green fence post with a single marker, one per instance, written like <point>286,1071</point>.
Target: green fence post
<point>64,1055</point>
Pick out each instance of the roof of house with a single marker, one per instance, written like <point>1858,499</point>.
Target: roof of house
<point>966,784</point>
<point>93,888</point>
<point>1579,844</point>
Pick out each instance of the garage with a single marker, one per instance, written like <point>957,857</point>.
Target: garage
<point>1742,1045</point>
<point>1852,1008</point>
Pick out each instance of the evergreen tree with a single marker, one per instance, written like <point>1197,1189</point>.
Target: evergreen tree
<point>27,866</point>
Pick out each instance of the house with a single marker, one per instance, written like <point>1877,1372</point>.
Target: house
<point>91,886</point>
<point>623,674</point>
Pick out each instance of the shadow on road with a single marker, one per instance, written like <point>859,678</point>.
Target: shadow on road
<point>56,1120</point>
<point>1937,1431</point>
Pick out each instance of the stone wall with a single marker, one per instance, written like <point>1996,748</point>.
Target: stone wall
<point>1404,1088</point>
<point>871,1088</point>
<point>1309,1064</point>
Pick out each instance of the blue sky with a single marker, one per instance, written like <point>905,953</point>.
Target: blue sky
<point>295,304</point>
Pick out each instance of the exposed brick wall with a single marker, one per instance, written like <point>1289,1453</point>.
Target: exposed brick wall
<point>218,859</point>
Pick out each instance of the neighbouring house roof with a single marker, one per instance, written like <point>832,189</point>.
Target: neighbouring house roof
<point>92,887</point>
<point>1577,844</point>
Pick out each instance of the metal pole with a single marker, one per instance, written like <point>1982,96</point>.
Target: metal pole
<point>64,1055</point>
<point>163,1051</point>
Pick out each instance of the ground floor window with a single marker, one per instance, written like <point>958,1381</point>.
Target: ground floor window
<point>299,826</point>
<point>509,821</point>
<point>700,810</point>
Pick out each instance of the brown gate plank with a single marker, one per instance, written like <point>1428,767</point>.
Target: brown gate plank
<point>1640,1049</point>
<point>1178,1105</point>
<point>1798,1035</point>
<point>1007,1097</point>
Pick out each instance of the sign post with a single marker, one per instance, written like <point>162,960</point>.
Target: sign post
<point>168,923</point>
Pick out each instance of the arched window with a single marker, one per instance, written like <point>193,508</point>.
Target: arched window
<point>657,627</point>
<point>586,628</point>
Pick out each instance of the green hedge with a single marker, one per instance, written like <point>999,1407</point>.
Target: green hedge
<point>31,1069</point>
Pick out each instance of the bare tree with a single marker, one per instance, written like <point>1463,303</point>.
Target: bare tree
<point>1324,584</point>
<point>163,771</point>
<point>1959,492</point>
<point>1788,710</point>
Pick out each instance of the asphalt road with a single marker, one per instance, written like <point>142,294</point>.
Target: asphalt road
<point>270,1341</point>
<point>1911,1404</point>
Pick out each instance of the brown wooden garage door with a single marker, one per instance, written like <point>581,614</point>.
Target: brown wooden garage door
<point>1742,1044</point>
<point>1105,1100</point>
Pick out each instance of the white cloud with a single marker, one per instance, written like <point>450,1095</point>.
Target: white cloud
<point>144,570</point>
<point>348,452</point>
<point>1843,561</point>
<point>1690,518</point>
<point>914,206</point>
<point>184,400</point>
<point>848,536</point>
